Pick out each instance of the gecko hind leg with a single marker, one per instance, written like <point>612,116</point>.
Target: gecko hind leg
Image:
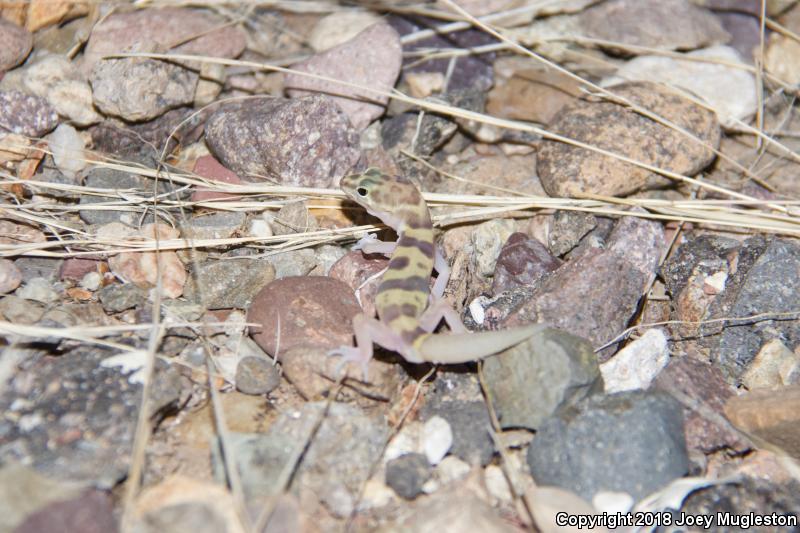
<point>441,309</point>
<point>367,331</point>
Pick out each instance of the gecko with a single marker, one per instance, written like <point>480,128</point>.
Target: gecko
<point>408,309</point>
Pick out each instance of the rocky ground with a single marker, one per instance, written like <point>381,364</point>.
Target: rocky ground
<point>176,264</point>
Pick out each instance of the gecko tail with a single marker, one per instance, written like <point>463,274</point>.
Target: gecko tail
<point>466,347</point>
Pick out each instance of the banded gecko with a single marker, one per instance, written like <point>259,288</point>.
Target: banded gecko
<point>408,310</point>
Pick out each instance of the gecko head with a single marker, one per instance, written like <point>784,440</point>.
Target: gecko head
<point>386,197</point>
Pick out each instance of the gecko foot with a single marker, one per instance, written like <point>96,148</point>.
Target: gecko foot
<point>350,354</point>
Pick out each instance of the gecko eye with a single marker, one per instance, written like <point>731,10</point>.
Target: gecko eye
<point>361,191</point>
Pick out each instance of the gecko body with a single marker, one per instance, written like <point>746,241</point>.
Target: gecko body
<point>408,310</point>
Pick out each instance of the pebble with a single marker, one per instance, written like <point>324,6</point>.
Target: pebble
<point>138,88</point>
<point>729,90</point>
<point>293,218</point>
<point>702,391</point>
<point>540,376</point>
<point>116,298</point>
<point>257,375</point>
<point>25,114</point>
<point>362,273</point>
<point>215,225</point>
<point>293,263</point>
<point>437,439</point>
<point>91,512</point>
<point>774,366</point>
<point>200,32</point>
<point>567,170</point>
<point>111,180</point>
<point>637,365</point>
<point>522,262</point>
<point>304,142</point>
<point>770,415</point>
<point>223,284</point>
<point>339,27</point>
<point>37,267</point>
<point>56,79</point>
<point>92,281</point>
<point>567,230</point>
<point>453,511</point>
<point>14,147</point>
<point>468,420</point>
<point>314,310</point>
<point>665,25</point>
<point>208,167</point>
<point>23,492</point>
<point>781,58</point>
<point>328,255</point>
<point>20,311</point>
<point>422,135</point>
<point>67,147</point>
<point>10,276</point>
<point>630,442</point>
<point>468,72</point>
<point>38,290</point>
<point>15,44</point>
<point>497,484</point>
<point>371,59</point>
<point>407,474</point>
<point>514,172</point>
<point>746,498</point>
<point>143,269</point>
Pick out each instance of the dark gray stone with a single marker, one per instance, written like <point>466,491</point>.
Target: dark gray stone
<point>631,442</point>
<point>469,422</point>
<point>116,298</point>
<point>257,375</point>
<point>39,267</point>
<point>407,474</point>
<point>405,132</point>
<point>547,372</point>
<point>114,181</point>
<point>228,284</point>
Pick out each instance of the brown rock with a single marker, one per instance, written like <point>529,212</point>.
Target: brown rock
<point>362,273</point>
<point>43,13</point>
<point>530,94</point>
<point>10,276</point>
<point>663,24</point>
<point>195,32</point>
<point>142,268</point>
<point>208,167</point>
<point>15,45</point>
<point>74,268</point>
<point>372,59</point>
<point>522,261</point>
<point>567,170</point>
<point>772,417</point>
<point>702,391</point>
<point>306,142</point>
<point>13,232</point>
<point>303,310</point>
<point>774,366</point>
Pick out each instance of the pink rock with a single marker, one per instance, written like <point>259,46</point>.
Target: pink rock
<point>522,261</point>
<point>356,269</point>
<point>372,59</point>
<point>142,269</point>
<point>10,276</point>
<point>15,45</point>
<point>303,310</point>
<point>74,268</point>
<point>210,168</point>
<point>165,27</point>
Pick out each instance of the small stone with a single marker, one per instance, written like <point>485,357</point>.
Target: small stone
<point>545,373</point>
<point>145,268</point>
<point>55,78</point>
<point>92,281</point>
<point>67,148</point>
<point>15,45</point>
<point>468,421</point>
<point>293,218</point>
<point>487,240</point>
<point>208,167</point>
<point>314,310</point>
<point>781,58</point>
<point>10,276</point>
<point>630,442</point>
<point>91,512</point>
<point>38,267</point>
<point>228,283</point>
<point>339,27</point>
<point>730,91</point>
<point>514,172</point>
<point>75,268</point>
<point>522,262</point>
<point>293,263</point>
<point>25,114</point>
<point>637,365</point>
<point>770,415</point>
<point>305,142</point>
<point>257,375</point>
<point>200,33</point>
<point>568,228</point>
<point>454,511</point>
<point>372,59</point>
<point>774,366</point>
<point>328,255</point>
<point>497,484</point>
<point>662,24</point>
<point>437,438</point>
<point>138,88</point>
<point>23,492</point>
<point>362,273</point>
<point>14,147</point>
<point>422,135</point>
<point>702,391</point>
<point>407,474</point>
<point>19,311</point>
<point>18,232</point>
<point>567,170</point>
<point>424,84</point>
<point>111,180</point>
<point>215,225</point>
<point>38,290</point>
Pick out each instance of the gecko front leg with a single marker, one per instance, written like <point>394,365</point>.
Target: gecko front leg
<point>367,331</point>
<point>370,244</point>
